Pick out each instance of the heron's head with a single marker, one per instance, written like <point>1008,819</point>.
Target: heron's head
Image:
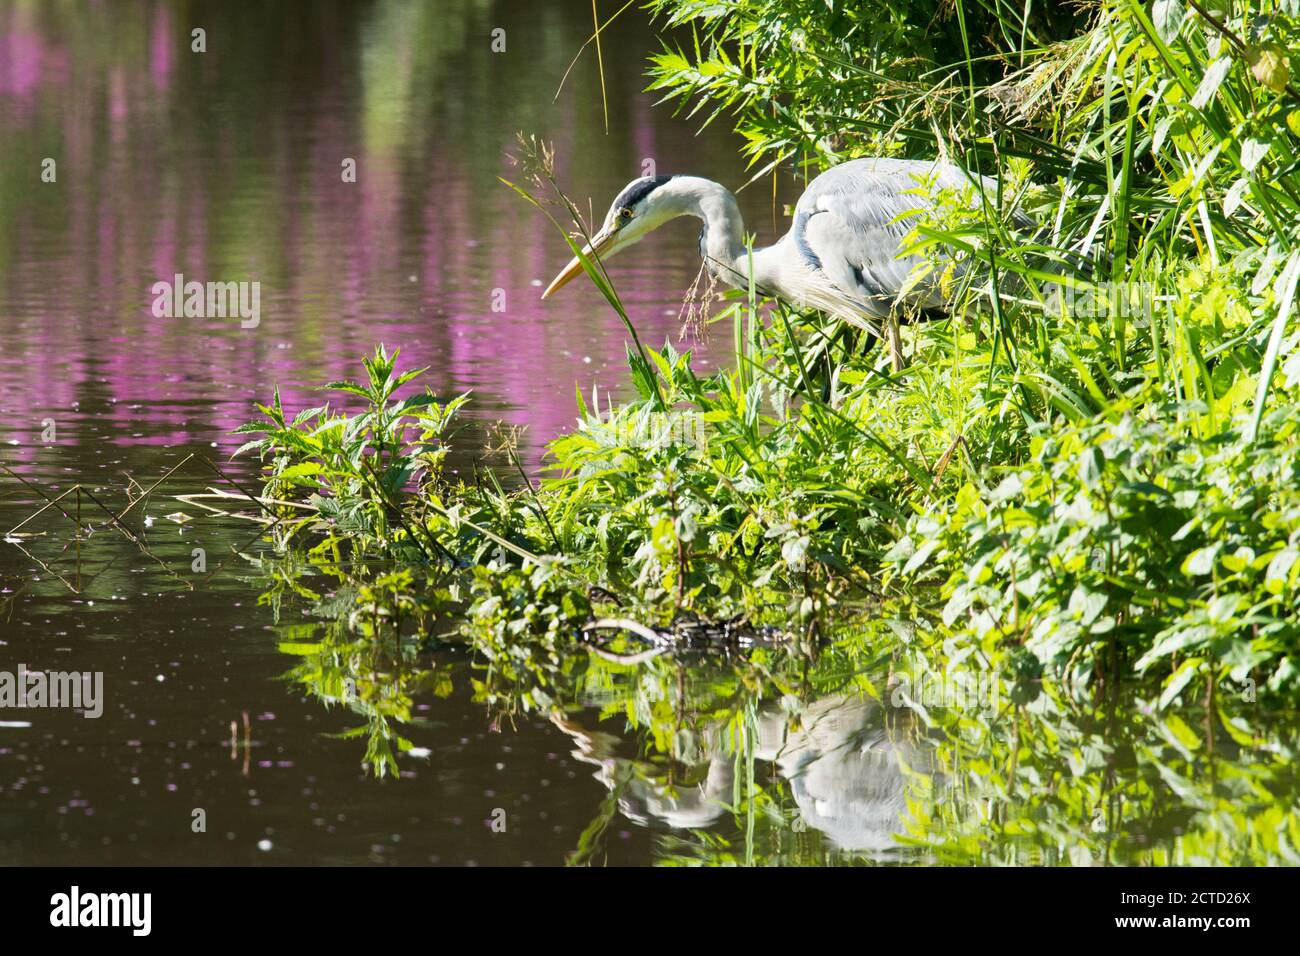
<point>642,206</point>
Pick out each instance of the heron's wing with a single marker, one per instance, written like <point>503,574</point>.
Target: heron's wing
<point>850,223</point>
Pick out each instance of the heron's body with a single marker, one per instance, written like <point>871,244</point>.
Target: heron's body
<point>843,253</point>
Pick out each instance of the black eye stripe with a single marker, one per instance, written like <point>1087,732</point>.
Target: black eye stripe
<point>638,190</point>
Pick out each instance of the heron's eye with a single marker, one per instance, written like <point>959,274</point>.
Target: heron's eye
<point>625,212</point>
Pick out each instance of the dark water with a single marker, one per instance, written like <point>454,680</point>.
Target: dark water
<point>226,166</point>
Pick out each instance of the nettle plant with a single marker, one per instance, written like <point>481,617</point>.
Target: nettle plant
<point>361,471</point>
<point>1130,544</point>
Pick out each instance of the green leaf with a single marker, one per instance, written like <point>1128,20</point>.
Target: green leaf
<point>1179,679</point>
<point>1286,286</point>
<point>1201,561</point>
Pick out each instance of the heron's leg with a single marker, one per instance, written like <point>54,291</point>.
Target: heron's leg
<point>894,335</point>
<point>895,339</point>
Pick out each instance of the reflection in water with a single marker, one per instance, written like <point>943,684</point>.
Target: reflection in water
<point>697,736</point>
<point>790,755</point>
<point>838,757</point>
<point>844,770</point>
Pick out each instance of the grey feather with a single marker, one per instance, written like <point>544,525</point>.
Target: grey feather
<point>853,218</point>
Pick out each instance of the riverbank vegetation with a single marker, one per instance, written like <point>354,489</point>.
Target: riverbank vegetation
<point>1078,499</point>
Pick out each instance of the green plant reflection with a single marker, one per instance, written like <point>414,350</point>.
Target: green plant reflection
<point>848,752</point>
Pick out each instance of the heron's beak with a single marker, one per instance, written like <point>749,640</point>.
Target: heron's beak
<point>599,243</point>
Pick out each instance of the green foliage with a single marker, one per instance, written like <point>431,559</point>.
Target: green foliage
<point>1129,547</point>
<point>359,470</point>
<point>823,82</point>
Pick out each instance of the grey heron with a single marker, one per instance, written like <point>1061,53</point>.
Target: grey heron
<point>843,252</point>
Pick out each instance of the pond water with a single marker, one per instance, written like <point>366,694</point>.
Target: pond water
<point>226,165</point>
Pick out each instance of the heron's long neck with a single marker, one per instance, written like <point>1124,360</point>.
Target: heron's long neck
<point>722,241</point>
